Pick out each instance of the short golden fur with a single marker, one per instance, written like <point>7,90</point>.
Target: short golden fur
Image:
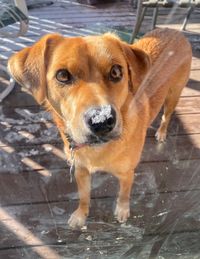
<point>89,60</point>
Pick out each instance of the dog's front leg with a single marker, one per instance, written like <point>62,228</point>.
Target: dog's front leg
<point>122,211</point>
<point>83,180</point>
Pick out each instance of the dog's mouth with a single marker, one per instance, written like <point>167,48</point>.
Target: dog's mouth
<point>92,140</point>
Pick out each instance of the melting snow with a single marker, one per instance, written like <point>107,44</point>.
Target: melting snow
<point>13,136</point>
<point>31,152</point>
<point>32,128</point>
<point>100,115</point>
<point>58,211</point>
<point>34,117</point>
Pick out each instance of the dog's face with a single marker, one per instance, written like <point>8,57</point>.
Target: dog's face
<point>86,80</point>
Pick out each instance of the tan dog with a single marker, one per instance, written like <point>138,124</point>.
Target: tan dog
<point>95,88</point>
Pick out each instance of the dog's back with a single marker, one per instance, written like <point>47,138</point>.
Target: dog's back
<point>171,56</point>
<point>159,41</point>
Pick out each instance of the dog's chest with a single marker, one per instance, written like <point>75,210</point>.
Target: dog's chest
<point>110,162</point>
<point>94,163</point>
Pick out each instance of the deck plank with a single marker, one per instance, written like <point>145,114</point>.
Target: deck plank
<point>48,157</point>
<point>47,221</point>
<point>186,246</point>
<point>28,187</point>
<point>34,126</point>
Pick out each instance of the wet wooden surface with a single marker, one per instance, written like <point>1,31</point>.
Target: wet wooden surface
<point>36,196</point>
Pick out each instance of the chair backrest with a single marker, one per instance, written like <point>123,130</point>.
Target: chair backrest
<point>12,12</point>
<point>171,3</point>
<point>21,4</point>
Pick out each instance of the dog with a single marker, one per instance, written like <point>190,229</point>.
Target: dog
<point>103,94</point>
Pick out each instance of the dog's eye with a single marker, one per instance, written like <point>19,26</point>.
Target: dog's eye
<point>115,73</point>
<point>63,76</point>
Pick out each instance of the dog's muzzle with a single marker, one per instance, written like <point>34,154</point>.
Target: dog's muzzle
<point>101,120</point>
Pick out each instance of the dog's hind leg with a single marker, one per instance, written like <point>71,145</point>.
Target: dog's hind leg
<point>122,211</point>
<point>169,106</point>
<point>177,82</point>
<point>83,180</point>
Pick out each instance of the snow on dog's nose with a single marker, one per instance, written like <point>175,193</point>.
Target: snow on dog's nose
<point>101,120</point>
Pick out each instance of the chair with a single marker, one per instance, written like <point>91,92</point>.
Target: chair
<point>10,14</point>
<point>144,4</point>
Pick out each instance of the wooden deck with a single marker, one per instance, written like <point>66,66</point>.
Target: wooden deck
<point>36,196</point>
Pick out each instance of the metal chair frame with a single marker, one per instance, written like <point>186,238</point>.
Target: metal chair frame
<point>23,27</point>
<point>142,7</point>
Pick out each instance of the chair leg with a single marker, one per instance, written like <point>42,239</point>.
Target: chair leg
<point>134,4</point>
<point>139,19</point>
<point>191,9</point>
<point>154,20</point>
<point>8,89</point>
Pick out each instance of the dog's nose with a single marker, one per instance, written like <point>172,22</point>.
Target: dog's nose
<point>101,120</point>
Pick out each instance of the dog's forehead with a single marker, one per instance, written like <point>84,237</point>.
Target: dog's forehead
<point>96,47</point>
<point>107,48</point>
<point>71,47</point>
<point>102,47</point>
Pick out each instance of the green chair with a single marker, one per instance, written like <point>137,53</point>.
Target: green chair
<point>143,5</point>
<point>11,13</point>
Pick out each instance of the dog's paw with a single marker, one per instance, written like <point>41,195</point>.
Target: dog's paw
<point>122,212</point>
<point>161,135</point>
<point>77,219</point>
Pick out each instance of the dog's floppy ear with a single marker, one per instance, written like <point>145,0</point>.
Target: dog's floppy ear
<point>138,63</point>
<point>28,66</point>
